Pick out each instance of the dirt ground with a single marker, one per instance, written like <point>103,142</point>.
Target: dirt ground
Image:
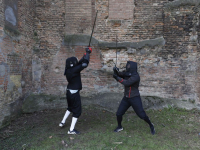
<point>44,124</point>
<point>175,129</point>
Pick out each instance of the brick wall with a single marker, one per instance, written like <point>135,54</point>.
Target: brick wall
<point>121,9</point>
<point>49,31</point>
<point>162,36</point>
<point>181,29</point>
<point>160,66</point>
<point>25,46</point>
<point>1,14</point>
<point>16,43</point>
<point>78,17</point>
<point>145,21</point>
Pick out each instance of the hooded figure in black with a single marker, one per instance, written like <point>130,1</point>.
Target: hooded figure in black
<point>130,79</point>
<point>73,69</point>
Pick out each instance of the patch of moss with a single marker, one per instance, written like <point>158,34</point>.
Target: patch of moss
<point>184,100</point>
<point>63,98</point>
<point>30,105</point>
<point>12,32</point>
<point>179,3</point>
<point>14,55</point>
<point>50,98</point>
<point>36,50</point>
<point>192,101</point>
<point>35,33</point>
<point>79,40</point>
<point>35,36</point>
<point>39,102</point>
<point>5,122</point>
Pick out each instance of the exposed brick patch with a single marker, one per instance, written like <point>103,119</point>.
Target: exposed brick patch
<point>121,9</point>
<point>15,64</point>
<point>78,17</point>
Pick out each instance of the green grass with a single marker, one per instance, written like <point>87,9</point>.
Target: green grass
<point>176,129</point>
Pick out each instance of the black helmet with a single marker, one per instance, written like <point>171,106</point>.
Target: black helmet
<point>70,62</point>
<point>131,67</point>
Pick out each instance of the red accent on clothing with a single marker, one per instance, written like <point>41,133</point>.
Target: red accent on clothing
<point>121,81</point>
<point>130,92</point>
<point>90,49</point>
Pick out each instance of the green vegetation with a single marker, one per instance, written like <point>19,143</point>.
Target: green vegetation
<point>176,129</point>
<point>35,36</point>
<point>11,31</point>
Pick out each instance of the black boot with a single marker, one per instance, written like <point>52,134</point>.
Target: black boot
<point>150,125</point>
<point>119,121</point>
<point>152,129</point>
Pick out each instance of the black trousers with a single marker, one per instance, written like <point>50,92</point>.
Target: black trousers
<point>74,103</point>
<point>136,104</point>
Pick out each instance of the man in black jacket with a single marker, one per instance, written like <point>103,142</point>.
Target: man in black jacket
<point>130,79</point>
<point>72,73</point>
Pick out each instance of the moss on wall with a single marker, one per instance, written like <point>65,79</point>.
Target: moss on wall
<point>179,3</point>
<point>79,40</point>
<point>12,32</point>
<point>40,102</point>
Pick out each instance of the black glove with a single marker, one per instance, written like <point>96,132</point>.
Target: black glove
<point>117,78</point>
<point>115,70</point>
<point>88,50</point>
<point>85,58</point>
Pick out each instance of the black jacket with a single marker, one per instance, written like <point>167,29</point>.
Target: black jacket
<point>130,79</point>
<point>73,74</point>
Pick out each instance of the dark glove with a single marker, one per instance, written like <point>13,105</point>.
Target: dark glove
<point>88,50</point>
<point>116,70</point>
<point>85,58</point>
<point>117,78</point>
<point>84,65</point>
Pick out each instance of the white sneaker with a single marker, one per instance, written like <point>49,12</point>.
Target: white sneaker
<point>73,132</point>
<point>61,124</point>
<point>118,129</point>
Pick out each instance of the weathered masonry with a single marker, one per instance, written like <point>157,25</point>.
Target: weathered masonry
<point>36,36</point>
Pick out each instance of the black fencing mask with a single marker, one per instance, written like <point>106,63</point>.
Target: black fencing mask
<point>70,62</point>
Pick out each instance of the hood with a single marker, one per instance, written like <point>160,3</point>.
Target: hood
<point>70,62</point>
<point>131,67</point>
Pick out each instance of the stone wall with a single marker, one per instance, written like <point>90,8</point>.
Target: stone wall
<point>16,43</point>
<point>37,36</point>
<point>54,26</point>
<point>144,20</point>
<point>181,32</point>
